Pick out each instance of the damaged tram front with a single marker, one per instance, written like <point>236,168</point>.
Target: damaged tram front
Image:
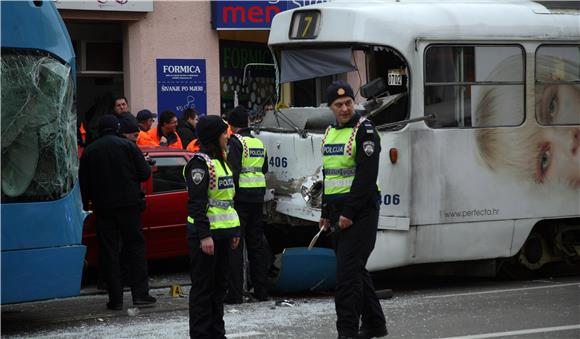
<point>452,103</point>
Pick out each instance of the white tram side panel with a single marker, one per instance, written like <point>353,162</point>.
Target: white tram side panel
<point>477,192</point>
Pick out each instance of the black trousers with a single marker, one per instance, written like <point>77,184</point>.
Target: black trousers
<point>208,289</point>
<point>355,298</point>
<point>252,237</point>
<point>121,238</point>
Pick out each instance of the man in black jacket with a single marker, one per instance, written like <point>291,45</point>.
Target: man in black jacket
<point>186,126</point>
<point>110,173</point>
<point>248,161</point>
<point>351,150</point>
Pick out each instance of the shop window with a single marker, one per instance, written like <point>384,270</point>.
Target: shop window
<point>247,75</point>
<point>169,174</point>
<point>557,78</point>
<point>104,56</point>
<point>474,86</point>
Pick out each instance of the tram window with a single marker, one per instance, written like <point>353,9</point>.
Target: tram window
<point>384,62</point>
<point>312,92</point>
<point>474,86</point>
<point>39,155</point>
<point>558,85</point>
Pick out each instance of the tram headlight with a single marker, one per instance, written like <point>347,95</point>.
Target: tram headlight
<point>393,155</point>
<point>312,193</point>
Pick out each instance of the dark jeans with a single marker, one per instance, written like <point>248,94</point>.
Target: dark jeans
<point>355,298</point>
<point>252,229</point>
<point>122,227</point>
<point>208,288</point>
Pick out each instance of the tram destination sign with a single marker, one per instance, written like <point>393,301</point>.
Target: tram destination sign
<point>305,25</point>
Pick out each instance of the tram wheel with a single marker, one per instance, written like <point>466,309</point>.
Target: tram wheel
<point>528,262</point>
<point>535,253</point>
<point>511,269</point>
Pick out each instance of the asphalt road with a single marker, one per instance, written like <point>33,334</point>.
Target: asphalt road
<point>450,308</point>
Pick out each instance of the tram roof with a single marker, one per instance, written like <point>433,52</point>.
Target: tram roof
<point>400,23</point>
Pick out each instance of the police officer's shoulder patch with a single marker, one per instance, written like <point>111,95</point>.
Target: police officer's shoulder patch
<point>367,127</point>
<point>197,175</point>
<point>369,148</point>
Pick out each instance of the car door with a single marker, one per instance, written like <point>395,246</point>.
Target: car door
<point>165,217</point>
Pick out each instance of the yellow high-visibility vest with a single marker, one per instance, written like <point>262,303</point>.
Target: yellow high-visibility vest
<point>220,192</point>
<point>253,157</point>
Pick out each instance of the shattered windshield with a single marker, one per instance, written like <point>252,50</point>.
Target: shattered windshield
<point>306,73</point>
<point>39,155</point>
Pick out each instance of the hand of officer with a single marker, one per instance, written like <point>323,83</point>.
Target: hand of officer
<point>207,245</point>
<point>235,242</point>
<point>344,223</point>
<point>324,224</point>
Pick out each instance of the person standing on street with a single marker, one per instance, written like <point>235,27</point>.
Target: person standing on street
<point>350,154</point>
<point>121,109</point>
<point>186,126</point>
<point>164,134</point>
<point>145,119</point>
<point>212,228</point>
<point>111,170</point>
<point>129,129</point>
<point>248,160</point>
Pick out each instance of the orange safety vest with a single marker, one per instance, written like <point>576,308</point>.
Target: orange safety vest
<point>193,146</point>
<point>151,138</point>
<point>145,140</point>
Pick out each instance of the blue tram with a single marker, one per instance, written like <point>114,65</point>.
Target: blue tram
<point>41,214</point>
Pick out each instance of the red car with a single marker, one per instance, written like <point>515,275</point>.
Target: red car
<point>166,213</point>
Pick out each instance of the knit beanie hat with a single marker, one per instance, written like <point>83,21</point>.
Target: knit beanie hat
<point>338,89</point>
<point>109,123</point>
<point>209,128</point>
<point>238,117</point>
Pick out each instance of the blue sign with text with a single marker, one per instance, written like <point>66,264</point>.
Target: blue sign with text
<point>181,84</point>
<point>252,14</point>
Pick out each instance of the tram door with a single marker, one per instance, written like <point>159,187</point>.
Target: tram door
<point>395,180</point>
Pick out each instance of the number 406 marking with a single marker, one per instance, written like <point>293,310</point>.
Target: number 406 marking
<point>388,199</point>
<point>278,162</point>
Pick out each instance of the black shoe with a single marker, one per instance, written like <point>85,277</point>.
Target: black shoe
<point>146,300</point>
<point>115,306</point>
<point>345,337</point>
<point>377,332</point>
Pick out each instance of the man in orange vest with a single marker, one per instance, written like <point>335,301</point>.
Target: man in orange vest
<point>145,119</point>
<point>164,134</point>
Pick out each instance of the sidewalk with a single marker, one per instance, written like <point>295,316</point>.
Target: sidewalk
<point>90,306</point>
<point>155,282</point>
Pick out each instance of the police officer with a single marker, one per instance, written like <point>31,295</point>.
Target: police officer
<point>247,157</point>
<point>110,173</point>
<point>212,228</point>
<point>350,153</point>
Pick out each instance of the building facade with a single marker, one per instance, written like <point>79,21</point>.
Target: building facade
<point>172,55</point>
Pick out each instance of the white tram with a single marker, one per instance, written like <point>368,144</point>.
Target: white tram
<point>478,109</point>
